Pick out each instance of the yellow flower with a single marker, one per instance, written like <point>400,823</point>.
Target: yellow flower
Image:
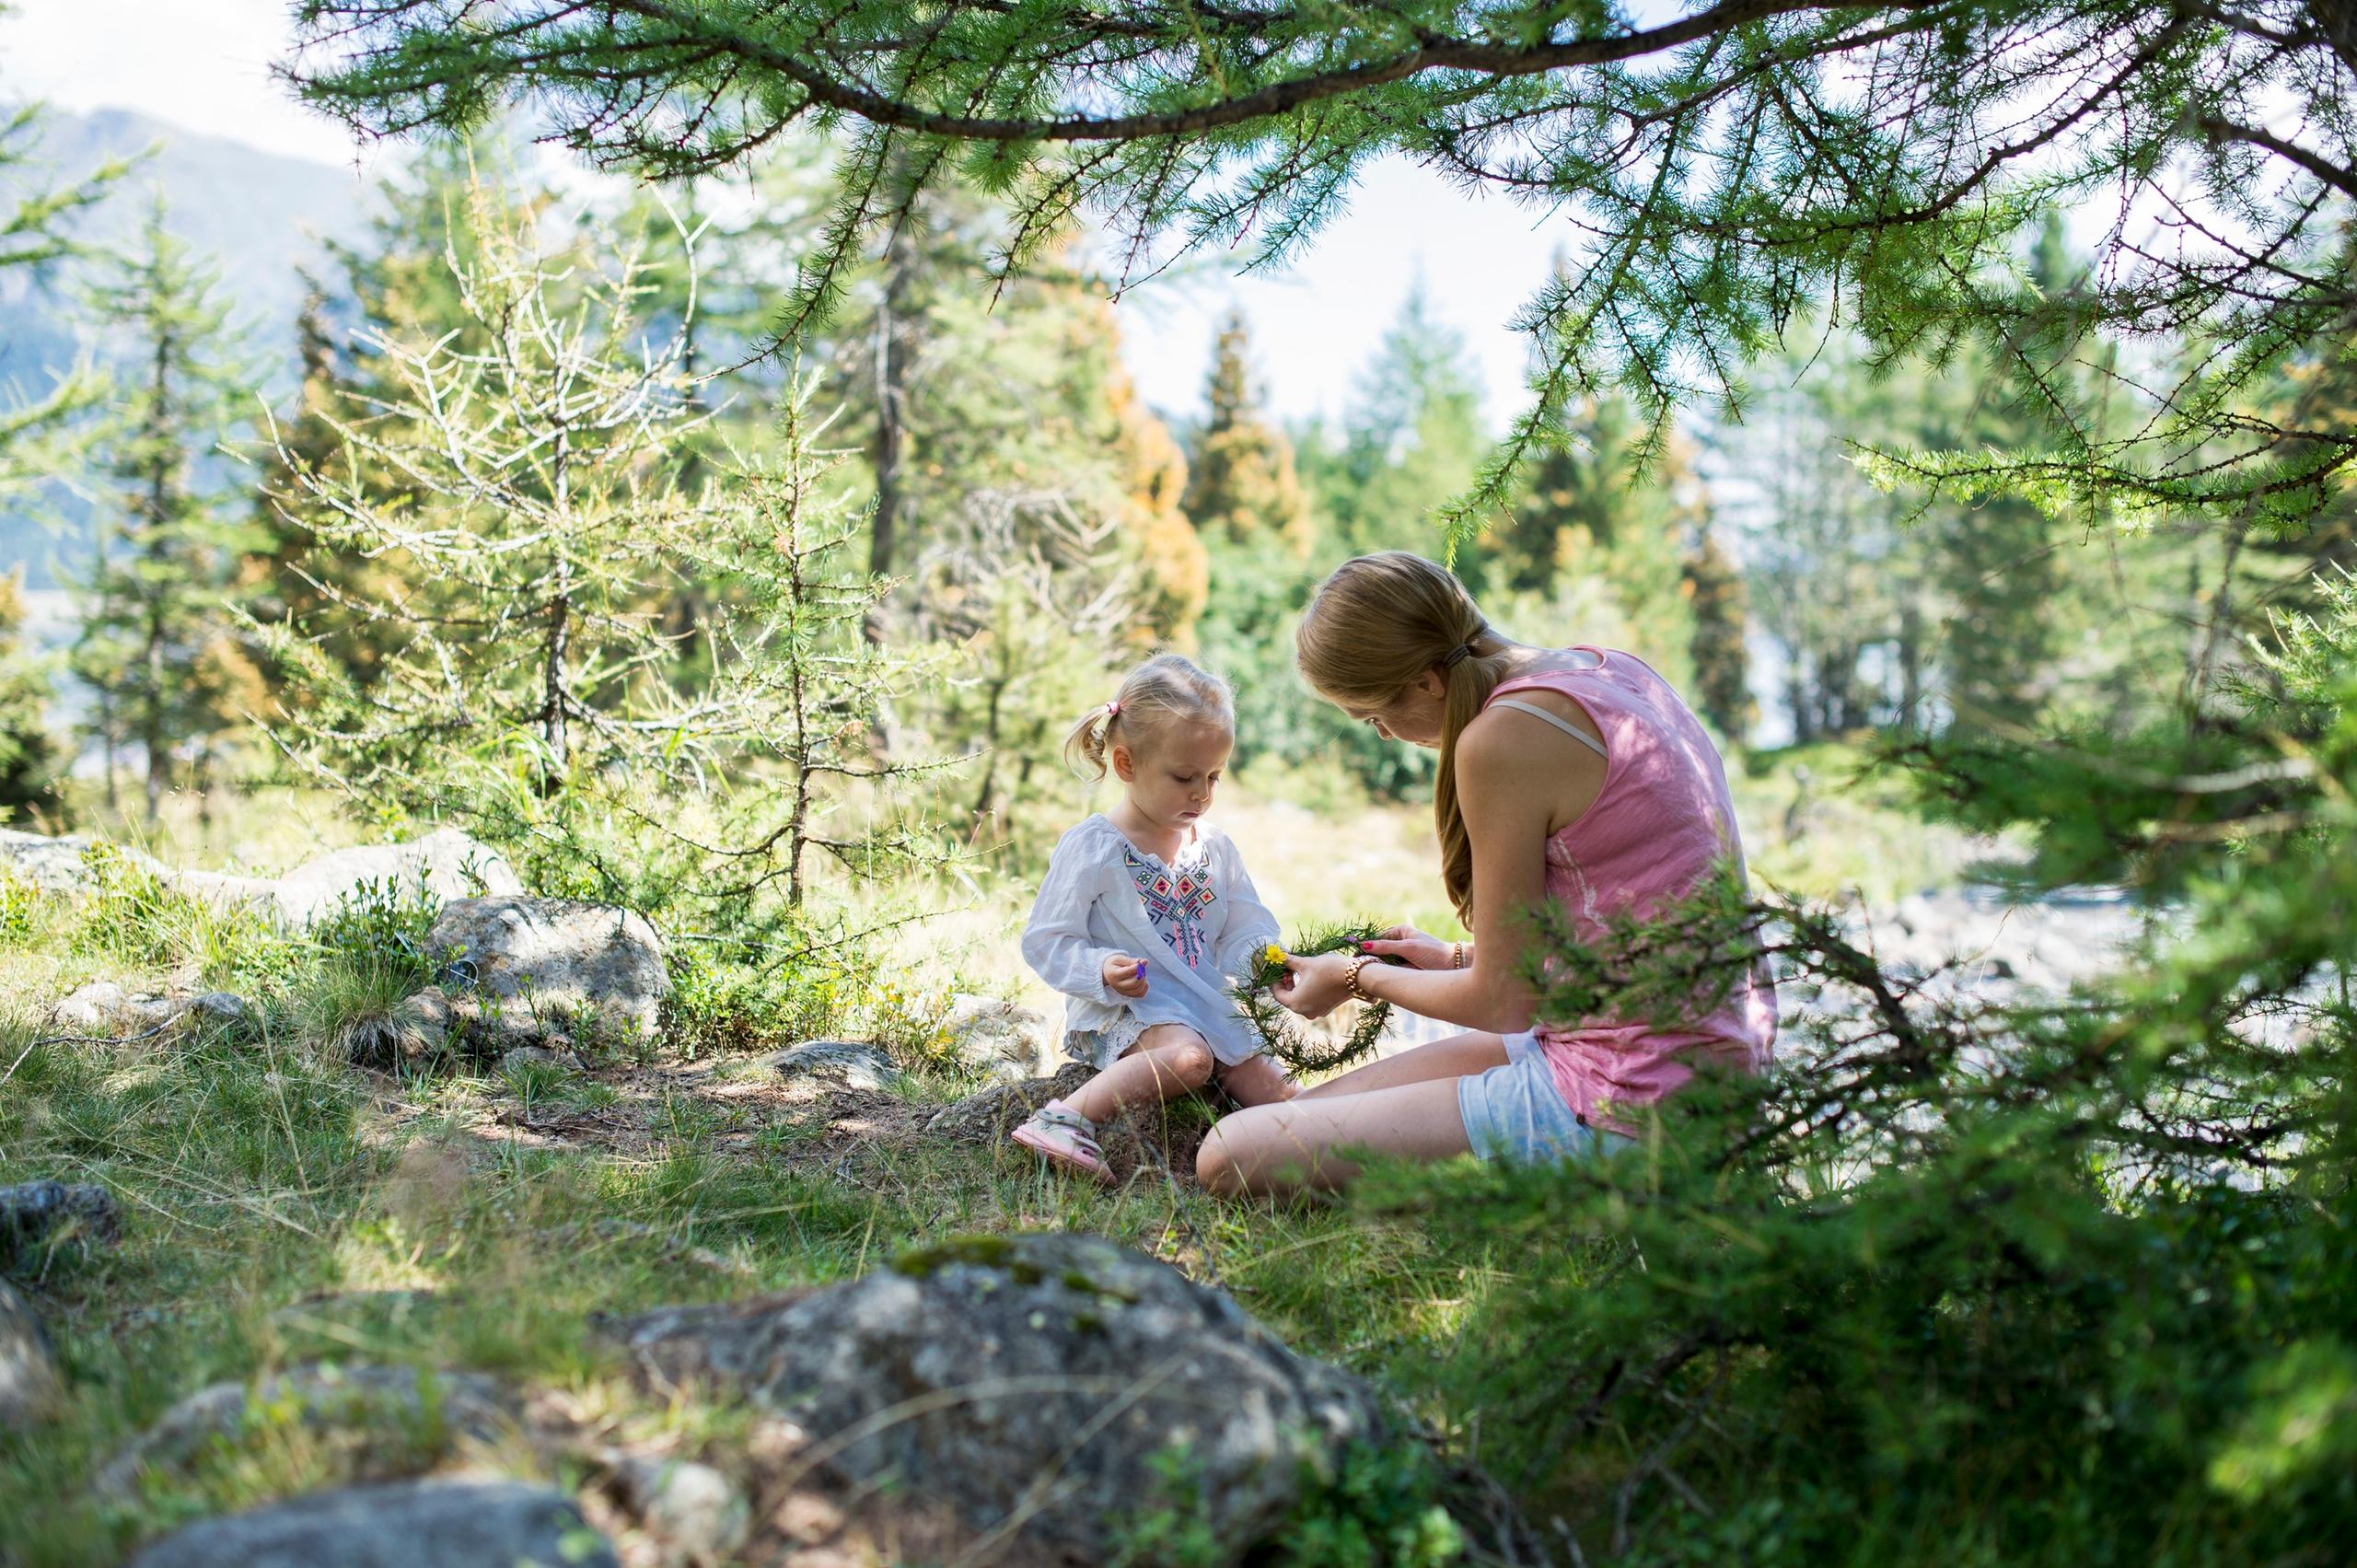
<point>1273,954</point>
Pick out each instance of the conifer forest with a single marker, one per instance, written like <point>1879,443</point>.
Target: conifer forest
<point>539,667</point>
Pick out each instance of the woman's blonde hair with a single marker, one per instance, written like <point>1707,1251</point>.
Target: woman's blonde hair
<point>1163,690</point>
<point>1378,622</point>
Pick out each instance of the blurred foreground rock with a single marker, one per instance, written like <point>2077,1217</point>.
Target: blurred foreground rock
<point>39,1214</point>
<point>1026,1387</point>
<point>415,1524</point>
<point>29,1384</point>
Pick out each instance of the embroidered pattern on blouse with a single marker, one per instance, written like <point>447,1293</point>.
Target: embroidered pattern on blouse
<point>1176,901</point>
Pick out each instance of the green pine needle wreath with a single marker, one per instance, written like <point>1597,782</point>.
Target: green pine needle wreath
<point>1256,999</point>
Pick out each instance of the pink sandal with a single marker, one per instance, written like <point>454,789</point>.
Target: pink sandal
<point>1062,1136</point>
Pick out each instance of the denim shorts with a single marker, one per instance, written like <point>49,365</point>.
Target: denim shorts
<point>1516,1113</point>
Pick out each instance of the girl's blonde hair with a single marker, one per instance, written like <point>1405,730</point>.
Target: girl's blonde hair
<point>1378,622</point>
<point>1163,690</point>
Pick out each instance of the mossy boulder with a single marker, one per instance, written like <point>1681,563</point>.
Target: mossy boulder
<point>1026,1389</point>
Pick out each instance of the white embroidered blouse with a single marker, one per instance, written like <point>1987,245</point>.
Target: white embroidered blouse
<point>1196,921</point>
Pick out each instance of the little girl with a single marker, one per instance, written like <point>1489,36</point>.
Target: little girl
<point>1147,917</point>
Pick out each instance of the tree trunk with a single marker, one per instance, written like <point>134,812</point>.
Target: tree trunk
<point>556,693</point>
<point>2337,21</point>
<point>888,452</point>
<point>152,728</point>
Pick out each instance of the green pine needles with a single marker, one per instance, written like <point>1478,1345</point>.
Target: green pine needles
<point>1255,998</point>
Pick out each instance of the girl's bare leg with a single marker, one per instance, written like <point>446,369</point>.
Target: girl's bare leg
<point>1458,1056</point>
<point>1167,1061</point>
<point>1257,1081</point>
<point>1282,1148</point>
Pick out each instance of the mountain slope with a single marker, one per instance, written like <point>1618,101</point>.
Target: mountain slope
<point>259,216</point>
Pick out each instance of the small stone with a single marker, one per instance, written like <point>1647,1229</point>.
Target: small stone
<point>859,1063</point>
<point>697,1514</point>
<point>29,1382</point>
<point>808,1518</point>
<point>984,1031</point>
<point>219,1008</point>
<point>413,1524</point>
<point>91,1009</point>
<point>525,1058</point>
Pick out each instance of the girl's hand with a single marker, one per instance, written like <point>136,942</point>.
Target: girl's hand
<point>1125,976</point>
<point>1313,987</point>
<point>1422,951</point>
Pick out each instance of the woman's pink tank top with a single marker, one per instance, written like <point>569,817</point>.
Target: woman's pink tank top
<point>1664,821</point>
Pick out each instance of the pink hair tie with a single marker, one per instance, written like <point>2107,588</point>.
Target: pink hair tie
<point>1113,709</point>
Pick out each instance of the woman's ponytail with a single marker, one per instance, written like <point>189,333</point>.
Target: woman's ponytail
<point>1375,625</point>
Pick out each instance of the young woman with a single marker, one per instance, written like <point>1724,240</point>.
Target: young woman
<point>1571,776</point>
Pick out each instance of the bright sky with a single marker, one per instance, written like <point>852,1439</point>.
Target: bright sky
<point>203,65</point>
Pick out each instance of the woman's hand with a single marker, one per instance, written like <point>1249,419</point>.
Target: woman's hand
<point>1314,986</point>
<point>1420,950</point>
<point>1125,976</point>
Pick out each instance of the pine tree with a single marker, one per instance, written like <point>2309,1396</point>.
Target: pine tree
<point>512,480</point>
<point>1751,166</point>
<point>1722,663</point>
<point>2001,557</point>
<point>38,440</point>
<point>1411,440</point>
<point>28,753</point>
<point>1241,480</point>
<point>522,476</point>
<point>157,640</point>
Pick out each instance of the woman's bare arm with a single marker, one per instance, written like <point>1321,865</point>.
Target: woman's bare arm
<point>1515,778</point>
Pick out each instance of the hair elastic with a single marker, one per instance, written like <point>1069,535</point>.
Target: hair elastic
<point>1456,655</point>
<point>1113,709</point>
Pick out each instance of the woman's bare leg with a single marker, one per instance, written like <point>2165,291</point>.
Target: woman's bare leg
<point>1282,1148</point>
<point>1257,1081</point>
<point>1458,1056</point>
<point>1167,1061</point>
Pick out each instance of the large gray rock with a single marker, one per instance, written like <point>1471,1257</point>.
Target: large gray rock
<point>553,964</point>
<point>444,864</point>
<point>27,1375</point>
<point>1027,1384</point>
<point>382,1421</point>
<point>56,865</point>
<point>415,1524</point>
<point>35,1213</point>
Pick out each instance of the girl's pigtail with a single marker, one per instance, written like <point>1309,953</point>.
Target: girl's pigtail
<point>1087,743</point>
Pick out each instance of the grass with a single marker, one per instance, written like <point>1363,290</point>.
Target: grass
<point>282,1207</point>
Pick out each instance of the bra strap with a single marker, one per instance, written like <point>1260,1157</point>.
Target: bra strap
<point>1582,736</point>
